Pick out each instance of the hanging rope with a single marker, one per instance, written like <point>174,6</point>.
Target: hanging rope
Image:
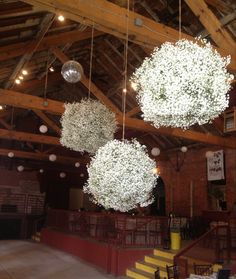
<point>46,78</point>
<point>180,18</point>
<point>91,61</point>
<point>124,91</point>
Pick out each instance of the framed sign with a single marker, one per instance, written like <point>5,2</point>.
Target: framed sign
<point>215,166</point>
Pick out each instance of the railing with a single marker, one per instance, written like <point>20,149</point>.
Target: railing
<point>118,229</point>
<point>214,246</point>
<point>21,203</point>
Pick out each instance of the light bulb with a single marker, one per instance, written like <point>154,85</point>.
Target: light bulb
<point>24,72</point>
<point>17,81</point>
<point>61,18</point>
<point>21,77</point>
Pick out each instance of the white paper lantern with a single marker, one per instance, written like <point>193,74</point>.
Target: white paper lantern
<point>52,157</point>
<point>41,170</point>
<point>77,164</point>
<point>43,129</point>
<point>81,175</point>
<point>62,175</point>
<point>10,154</point>
<point>184,149</point>
<point>20,168</point>
<point>72,71</point>
<point>155,151</point>
<point>209,154</point>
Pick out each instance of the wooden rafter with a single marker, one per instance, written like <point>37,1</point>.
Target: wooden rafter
<point>218,33</point>
<point>48,121</point>
<point>42,157</point>
<point>85,81</point>
<point>28,137</point>
<point>18,49</point>
<point>138,124</point>
<point>45,25</point>
<point>111,18</point>
<point>55,107</point>
<point>13,98</point>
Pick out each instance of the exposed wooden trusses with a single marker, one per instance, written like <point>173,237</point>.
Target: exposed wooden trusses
<point>45,25</point>
<point>218,33</point>
<point>28,137</point>
<point>111,18</point>
<point>30,102</point>
<point>42,157</point>
<point>15,50</point>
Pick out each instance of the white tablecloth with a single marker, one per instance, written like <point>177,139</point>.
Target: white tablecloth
<point>194,276</point>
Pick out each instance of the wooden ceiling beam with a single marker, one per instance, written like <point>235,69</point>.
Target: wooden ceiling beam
<point>138,124</point>
<point>28,137</point>
<point>55,107</point>
<point>29,51</point>
<point>42,157</point>
<point>47,121</point>
<point>18,49</point>
<point>218,33</point>
<point>111,18</point>
<point>26,101</point>
<point>85,81</point>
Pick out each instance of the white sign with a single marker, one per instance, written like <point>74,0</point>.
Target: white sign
<point>215,166</point>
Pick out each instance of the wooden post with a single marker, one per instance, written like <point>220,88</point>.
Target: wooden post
<point>191,199</point>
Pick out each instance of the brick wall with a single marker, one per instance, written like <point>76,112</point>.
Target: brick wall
<point>194,171</point>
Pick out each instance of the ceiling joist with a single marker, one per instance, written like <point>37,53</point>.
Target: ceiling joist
<point>42,157</point>
<point>12,98</point>
<point>111,18</point>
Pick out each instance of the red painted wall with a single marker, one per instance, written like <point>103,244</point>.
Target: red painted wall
<point>109,258</point>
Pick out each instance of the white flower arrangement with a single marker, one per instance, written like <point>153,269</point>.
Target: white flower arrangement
<point>121,176</point>
<point>87,125</point>
<point>183,83</point>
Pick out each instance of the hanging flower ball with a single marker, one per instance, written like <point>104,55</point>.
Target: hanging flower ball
<point>43,129</point>
<point>155,151</point>
<point>52,157</point>
<point>87,125</point>
<point>77,164</point>
<point>62,175</point>
<point>10,154</point>
<point>184,149</point>
<point>72,71</point>
<point>121,176</point>
<point>182,84</point>
<point>20,168</point>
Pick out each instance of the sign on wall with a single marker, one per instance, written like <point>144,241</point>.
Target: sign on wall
<point>215,166</point>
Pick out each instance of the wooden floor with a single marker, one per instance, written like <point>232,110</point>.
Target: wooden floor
<point>28,260</point>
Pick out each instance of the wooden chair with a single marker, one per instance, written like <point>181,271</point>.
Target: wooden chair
<point>202,269</point>
<point>157,273</point>
<point>172,272</point>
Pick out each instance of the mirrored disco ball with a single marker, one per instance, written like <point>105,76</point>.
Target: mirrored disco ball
<point>72,71</point>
